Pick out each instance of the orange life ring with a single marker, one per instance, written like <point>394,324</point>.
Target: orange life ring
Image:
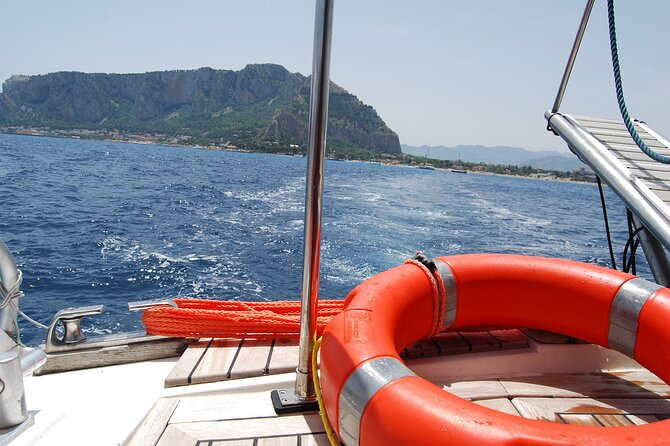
<point>372,398</point>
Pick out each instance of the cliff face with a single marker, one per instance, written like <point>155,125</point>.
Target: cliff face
<point>261,103</point>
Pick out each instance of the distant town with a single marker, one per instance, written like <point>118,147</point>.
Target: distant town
<point>340,153</point>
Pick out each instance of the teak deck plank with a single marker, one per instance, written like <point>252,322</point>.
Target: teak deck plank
<point>210,360</point>
<point>252,359</point>
<point>510,338</point>
<point>451,344</point>
<point>630,384</point>
<point>235,419</point>
<point>284,356</point>
<point>247,442</point>
<point>151,428</point>
<point>173,435</point>
<point>278,441</point>
<point>196,409</point>
<point>481,341</point>
<point>187,363</point>
<point>216,362</point>
<point>579,419</point>
<point>555,409</point>
<point>253,428</point>
<point>500,404</point>
<point>601,385</point>
<point>613,420</point>
<point>314,440</point>
<point>639,419</point>
<point>477,390</point>
<point>428,348</point>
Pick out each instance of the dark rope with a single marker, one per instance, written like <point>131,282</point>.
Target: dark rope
<point>607,223</point>
<point>629,222</point>
<point>629,264</point>
<point>619,92</point>
<point>420,256</point>
<point>633,270</point>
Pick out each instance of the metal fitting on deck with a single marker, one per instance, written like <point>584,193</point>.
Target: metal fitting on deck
<point>13,409</point>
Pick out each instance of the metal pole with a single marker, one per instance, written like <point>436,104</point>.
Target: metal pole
<point>318,120</point>
<point>573,55</point>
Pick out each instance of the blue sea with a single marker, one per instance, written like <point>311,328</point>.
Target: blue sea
<point>92,222</point>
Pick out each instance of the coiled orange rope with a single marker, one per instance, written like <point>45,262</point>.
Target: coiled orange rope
<point>221,319</point>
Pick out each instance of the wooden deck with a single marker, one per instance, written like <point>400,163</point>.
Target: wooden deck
<point>230,418</point>
<point>211,360</point>
<point>596,399</point>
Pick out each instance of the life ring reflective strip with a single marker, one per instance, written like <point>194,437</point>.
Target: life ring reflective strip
<point>372,398</point>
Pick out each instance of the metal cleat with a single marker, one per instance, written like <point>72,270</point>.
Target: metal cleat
<point>71,320</point>
<point>141,305</point>
<point>75,351</point>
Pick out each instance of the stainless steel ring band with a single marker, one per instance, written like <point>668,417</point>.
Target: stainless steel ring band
<point>359,389</point>
<point>625,313</point>
<point>450,291</point>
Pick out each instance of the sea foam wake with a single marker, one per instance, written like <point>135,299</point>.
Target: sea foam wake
<point>96,222</point>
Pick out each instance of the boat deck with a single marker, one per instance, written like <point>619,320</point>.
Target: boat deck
<point>249,419</point>
<point>242,412</point>
<point>211,360</point>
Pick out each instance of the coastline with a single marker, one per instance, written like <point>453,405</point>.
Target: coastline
<point>294,150</point>
<point>555,180</point>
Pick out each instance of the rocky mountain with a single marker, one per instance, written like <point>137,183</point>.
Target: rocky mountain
<point>516,156</point>
<point>260,104</point>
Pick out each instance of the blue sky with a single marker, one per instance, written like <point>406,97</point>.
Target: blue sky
<point>440,72</point>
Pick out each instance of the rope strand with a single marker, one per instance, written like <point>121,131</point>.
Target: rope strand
<point>319,397</point>
<point>31,320</point>
<point>607,223</point>
<point>619,91</point>
<point>14,292</point>
<point>438,294</point>
<point>213,318</point>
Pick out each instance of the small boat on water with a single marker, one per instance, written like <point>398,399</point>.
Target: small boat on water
<point>425,164</point>
<point>476,349</point>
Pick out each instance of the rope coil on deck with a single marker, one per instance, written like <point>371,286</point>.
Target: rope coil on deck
<point>263,320</point>
<point>219,319</point>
